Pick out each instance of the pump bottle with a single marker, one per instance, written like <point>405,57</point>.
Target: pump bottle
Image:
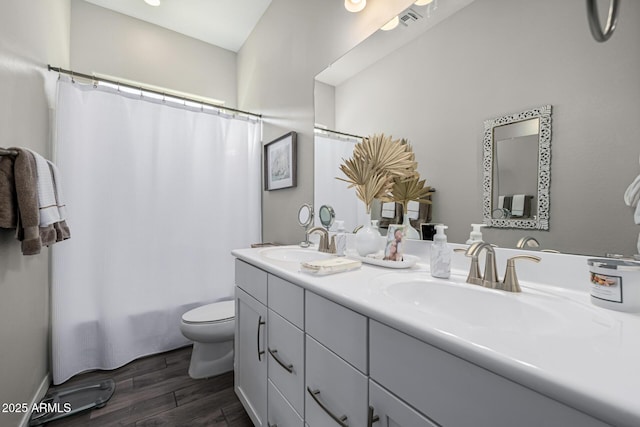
<point>476,234</point>
<point>440,254</point>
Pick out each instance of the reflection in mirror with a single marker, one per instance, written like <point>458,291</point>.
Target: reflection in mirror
<point>327,216</point>
<point>305,219</point>
<point>483,59</point>
<point>517,169</point>
<point>330,148</point>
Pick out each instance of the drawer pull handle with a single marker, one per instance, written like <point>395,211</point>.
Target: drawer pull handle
<point>260,323</point>
<point>372,418</point>
<point>274,354</point>
<point>340,420</point>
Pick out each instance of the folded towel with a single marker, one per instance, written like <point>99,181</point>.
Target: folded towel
<point>46,193</point>
<point>500,202</point>
<point>413,209</point>
<point>61,228</point>
<point>25,176</point>
<point>8,198</point>
<point>517,205</point>
<point>388,210</point>
<point>636,216</point>
<point>632,194</point>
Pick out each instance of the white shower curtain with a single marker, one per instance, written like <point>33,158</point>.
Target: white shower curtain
<point>157,197</point>
<point>329,153</point>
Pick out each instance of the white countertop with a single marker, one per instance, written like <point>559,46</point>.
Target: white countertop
<point>590,362</point>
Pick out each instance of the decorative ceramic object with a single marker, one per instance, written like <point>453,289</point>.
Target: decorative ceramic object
<point>368,239</point>
<point>409,231</point>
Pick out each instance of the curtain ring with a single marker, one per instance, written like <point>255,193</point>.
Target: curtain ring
<point>141,94</point>
<point>95,81</point>
<point>594,21</point>
<point>72,79</point>
<point>118,87</point>
<point>163,97</point>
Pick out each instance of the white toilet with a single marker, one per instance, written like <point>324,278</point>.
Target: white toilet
<point>211,327</point>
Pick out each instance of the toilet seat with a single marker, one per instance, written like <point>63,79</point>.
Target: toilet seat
<point>217,312</point>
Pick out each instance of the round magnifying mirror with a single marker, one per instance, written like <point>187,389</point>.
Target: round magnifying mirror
<point>327,216</point>
<point>305,215</point>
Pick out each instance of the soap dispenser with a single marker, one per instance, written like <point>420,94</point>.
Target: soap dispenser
<point>476,234</point>
<point>440,254</point>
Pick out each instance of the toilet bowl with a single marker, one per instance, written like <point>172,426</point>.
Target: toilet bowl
<point>211,327</point>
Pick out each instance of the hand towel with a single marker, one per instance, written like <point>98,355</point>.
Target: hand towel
<point>46,194</point>
<point>8,198</point>
<point>636,216</point>
<point>61,227</point>
<point>25,176</point>
<point>632,194</point>
<point>517,205</point>
<point>500,202</point>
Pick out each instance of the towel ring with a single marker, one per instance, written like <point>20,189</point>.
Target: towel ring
<point>594,21</point>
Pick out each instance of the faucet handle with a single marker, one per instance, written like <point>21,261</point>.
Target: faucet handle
<point>474,276</point>
<point>511,283</point>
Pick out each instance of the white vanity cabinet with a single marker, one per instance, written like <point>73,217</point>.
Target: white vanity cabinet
<point>336,364</point>
<point>285,353</point>
<point>251,341</point>
<point>454,392</point>
<point>305,360</point>
<point>386,410</point>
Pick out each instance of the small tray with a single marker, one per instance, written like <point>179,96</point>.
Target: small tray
<point>407,261</point>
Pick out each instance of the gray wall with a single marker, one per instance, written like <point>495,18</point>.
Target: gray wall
<point>32,34</point>
<point>497,57</point>
<point>108,42</point>
<point>294,40</point>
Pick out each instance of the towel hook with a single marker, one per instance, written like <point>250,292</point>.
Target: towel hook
<point>594,21</point>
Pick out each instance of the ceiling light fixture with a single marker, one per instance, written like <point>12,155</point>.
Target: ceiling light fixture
<point>152,2</point>
<point>354,5</point>
<point>391,24</point>
<point>422,2</point>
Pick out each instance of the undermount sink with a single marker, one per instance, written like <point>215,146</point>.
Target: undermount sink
<point>532,311</point>
<point>294,254</point>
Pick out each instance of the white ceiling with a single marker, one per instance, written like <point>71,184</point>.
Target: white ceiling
<point>224,23</point>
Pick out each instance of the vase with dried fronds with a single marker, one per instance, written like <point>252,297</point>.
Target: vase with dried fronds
<point>407,190</point>
<point>376,162</point>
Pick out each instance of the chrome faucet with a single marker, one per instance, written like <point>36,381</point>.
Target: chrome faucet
<point>325,245</point>
<point>528,241</point>
<point>490,278</point>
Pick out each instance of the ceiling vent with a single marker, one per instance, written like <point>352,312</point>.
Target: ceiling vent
<point>409,16</point>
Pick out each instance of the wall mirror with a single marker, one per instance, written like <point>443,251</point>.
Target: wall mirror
<point>517,170</point>
<point>464,62</point>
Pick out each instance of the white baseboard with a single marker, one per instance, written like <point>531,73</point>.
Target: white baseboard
<point>42,390</point>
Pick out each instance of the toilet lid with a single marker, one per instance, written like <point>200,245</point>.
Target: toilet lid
<point>215,312</point>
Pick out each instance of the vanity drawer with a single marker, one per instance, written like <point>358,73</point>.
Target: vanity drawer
<point>341,330</point>
<point>281,414</point>
<point>435,382</point>
<point>337,386</point>
<point>286,352</point>
<point>252,280</point>
<point>287,300</point>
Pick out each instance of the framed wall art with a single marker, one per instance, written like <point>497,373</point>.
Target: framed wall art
<point>280,162</point>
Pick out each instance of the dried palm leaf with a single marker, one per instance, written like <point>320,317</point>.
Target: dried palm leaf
<point>407,190</point>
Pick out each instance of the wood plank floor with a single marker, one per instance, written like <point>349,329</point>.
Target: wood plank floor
<point>157,391</point>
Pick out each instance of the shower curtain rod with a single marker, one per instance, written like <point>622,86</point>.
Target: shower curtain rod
<point>337,133</point>
<point>143,88</point>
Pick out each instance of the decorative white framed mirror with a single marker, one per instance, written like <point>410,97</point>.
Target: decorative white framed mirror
<point>517,170</point>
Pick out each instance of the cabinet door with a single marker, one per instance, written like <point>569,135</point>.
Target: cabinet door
<point>386,410</point>
<point>251,356</point>
<point>335,392</point>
